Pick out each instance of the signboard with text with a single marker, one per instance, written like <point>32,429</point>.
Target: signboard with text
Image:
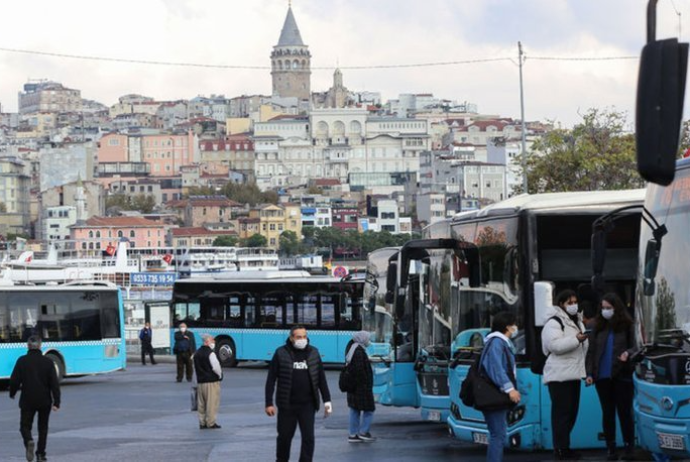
<point>153,279</point>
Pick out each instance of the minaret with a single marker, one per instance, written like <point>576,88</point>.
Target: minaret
<point>291,62</point>
<point>80,201</point>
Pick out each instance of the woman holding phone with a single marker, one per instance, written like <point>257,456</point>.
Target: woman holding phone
<point>611,344</point>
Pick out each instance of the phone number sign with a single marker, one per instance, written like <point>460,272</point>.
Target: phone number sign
<point>153,279</point>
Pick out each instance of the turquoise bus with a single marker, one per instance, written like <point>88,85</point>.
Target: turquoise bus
<point>662,378</point>
<point>81,325</point>
<point>250,312</point>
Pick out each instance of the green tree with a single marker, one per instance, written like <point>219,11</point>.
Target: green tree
<point>142,203</point>
<point>665,309</point>
<point>256,240</point>
<point>289,243</point>
<point>596,154</point>
<point>3,207</point>
<point>225,241</point>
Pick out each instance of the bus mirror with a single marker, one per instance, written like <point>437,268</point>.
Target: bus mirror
<point>543,301</point>
<point>473,266</point>
<point>598,251</point>
<point>651,263</point>
<point>659,108</point>
<point>391,281</point>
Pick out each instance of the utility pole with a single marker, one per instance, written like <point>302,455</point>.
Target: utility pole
<point>522,116</point>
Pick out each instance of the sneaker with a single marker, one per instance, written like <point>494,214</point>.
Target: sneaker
<point>41,458</point>
<point>30,446</point>
<point>366,437</point>
<point>354,439</point>
<point>202,427</point>
<point>214,426</point>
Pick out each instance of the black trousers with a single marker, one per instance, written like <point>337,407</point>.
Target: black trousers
<point>617,395</point>
<point>288,419</point>
<point>27,422</point>
<point>184,361</point>
<point>147,349</point>
<point>565,402</point>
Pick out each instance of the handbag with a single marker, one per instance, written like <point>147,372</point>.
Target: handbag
<point>195,397</point>
<point>487,396</point>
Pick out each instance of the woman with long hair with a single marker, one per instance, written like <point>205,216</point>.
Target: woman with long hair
<point>608,368</point>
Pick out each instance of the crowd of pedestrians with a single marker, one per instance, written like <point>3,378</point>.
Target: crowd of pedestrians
<point>576,355</point>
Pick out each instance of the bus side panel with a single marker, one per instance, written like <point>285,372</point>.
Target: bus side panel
<point>432,387</point>
<point>402,387</point>
<point>588,431</point>
<point>331,344</point>
<point>379,354</point>
<point>10,354</point>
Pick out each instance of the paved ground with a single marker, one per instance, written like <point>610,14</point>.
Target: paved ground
<point>142,414</point>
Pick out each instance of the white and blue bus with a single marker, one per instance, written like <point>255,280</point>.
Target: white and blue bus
<point>662,378</point>
<point>81,325</point>
<point>250,313</point>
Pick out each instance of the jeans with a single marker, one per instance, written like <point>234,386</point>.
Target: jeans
<point>358,426</point>
<point>27,421</point>
<point>565,404</point>
<point>617,395</point>
<point>288,418</point>
<point>497,422</point>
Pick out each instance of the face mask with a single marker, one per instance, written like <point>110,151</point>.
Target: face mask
<point>571,309</point>
<point>301,344</point>
<point>183,329</point>
<point>607,313</point>
<point>513,331</point>
<point>212,346</point>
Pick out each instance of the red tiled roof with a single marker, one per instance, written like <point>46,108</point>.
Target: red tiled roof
<point>249,220</point>
<point>118,222</point>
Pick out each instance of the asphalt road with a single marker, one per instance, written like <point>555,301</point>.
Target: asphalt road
<point>142,414</point>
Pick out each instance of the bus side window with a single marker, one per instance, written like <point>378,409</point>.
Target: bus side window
<point>250,311</point>
<point>235,310</point>
<point>85,320</point>
<point>271,310</point>
<point>328,303</point>
<point>4,325</point>
<point>306,309</point>
<point>110,312</point>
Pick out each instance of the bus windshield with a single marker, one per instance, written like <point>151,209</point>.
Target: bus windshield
<point>377,315</point>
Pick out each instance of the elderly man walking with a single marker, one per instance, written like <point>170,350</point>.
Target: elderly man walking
<point>35,376</point>
<point>208,377</point>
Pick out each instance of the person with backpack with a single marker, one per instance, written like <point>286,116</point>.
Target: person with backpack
<point>564,343</point>
<point>608,368</point>
<point>497,363</point>
<point>360,396</point>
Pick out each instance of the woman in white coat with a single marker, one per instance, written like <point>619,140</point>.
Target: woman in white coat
<point>565,344</point>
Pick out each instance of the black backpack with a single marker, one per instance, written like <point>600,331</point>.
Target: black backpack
<point>539,360</point>
<point>346,381</point>
<point>467,388</point>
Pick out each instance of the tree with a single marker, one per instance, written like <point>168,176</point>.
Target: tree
<point>142,203</point>
<point>289,243</point>
<point>596,154</point>
<point>3,207</point>
<point>665,309</point>
<point>225,241</point>
<point>256,240</point>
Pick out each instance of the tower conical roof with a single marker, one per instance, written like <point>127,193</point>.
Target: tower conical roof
<point>290,35</point>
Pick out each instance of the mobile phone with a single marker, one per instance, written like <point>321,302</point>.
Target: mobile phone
<point>588,331</point>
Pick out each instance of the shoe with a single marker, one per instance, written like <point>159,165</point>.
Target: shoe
<point>178,380</point>
<point>30,446</point>
<point>41,458</point>
<point>202,427</point>
<point>366,437</point>
<point>354,439</point>
<point>566,454</point>
<point>189,380</point>
<point>629,452</point>
<point>153,364</point>
<point>213,427</point>
<point>611,453</point>
<point>143,364</point>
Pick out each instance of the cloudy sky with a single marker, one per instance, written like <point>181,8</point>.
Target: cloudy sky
<point>345,33</point>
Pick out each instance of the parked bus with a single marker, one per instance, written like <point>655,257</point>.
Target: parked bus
<point>662,377</point>
<point>250,313</point>
<point>81,325</point>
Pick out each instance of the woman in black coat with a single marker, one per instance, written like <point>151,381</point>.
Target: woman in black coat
<point>611,344</point>
<point>361,401</point>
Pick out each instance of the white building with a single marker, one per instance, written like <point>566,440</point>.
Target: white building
<point>394,144</point>
<point>339,140</point>
<point>431,207</point>
<point>56,222</point>
<point>506,152</point>
<point>388,218</point>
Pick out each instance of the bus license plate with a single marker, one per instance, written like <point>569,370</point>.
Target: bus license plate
<point>480,438</point>
<point>434,415</point>
<point>671,441</point>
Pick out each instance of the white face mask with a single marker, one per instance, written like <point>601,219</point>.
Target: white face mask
<point>513,331</point>
<point>301,344</point>
<point>212,346</point>
<point>183,329</point>
<point>571,309</point>
<point>607,313</point>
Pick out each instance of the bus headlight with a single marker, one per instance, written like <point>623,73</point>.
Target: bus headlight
<point>516,414</point>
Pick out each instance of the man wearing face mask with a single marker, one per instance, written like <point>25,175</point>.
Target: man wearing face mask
<point>298,369</point>
<point>208,376</point>
<point>564,343</point>
<point>609,369</point>
<point>184,348</point>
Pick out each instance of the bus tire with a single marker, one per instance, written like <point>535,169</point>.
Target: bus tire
<point>227,355</point>
<point>59,365</point>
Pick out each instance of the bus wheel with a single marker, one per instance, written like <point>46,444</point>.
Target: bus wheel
<point>226,353</point>
<point>59,366</point>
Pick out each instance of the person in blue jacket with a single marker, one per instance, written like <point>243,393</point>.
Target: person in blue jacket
<point>498,364</point>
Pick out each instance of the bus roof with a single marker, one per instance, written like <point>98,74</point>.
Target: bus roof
<point>577,201</point>
<point>265,277</point>
<point>11,286</point>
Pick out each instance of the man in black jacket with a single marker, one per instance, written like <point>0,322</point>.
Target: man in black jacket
<point>299,371</point>
<point>184,348</point>
<point>146,337</point>
<point>208,376</point>
<point>35,376</point>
